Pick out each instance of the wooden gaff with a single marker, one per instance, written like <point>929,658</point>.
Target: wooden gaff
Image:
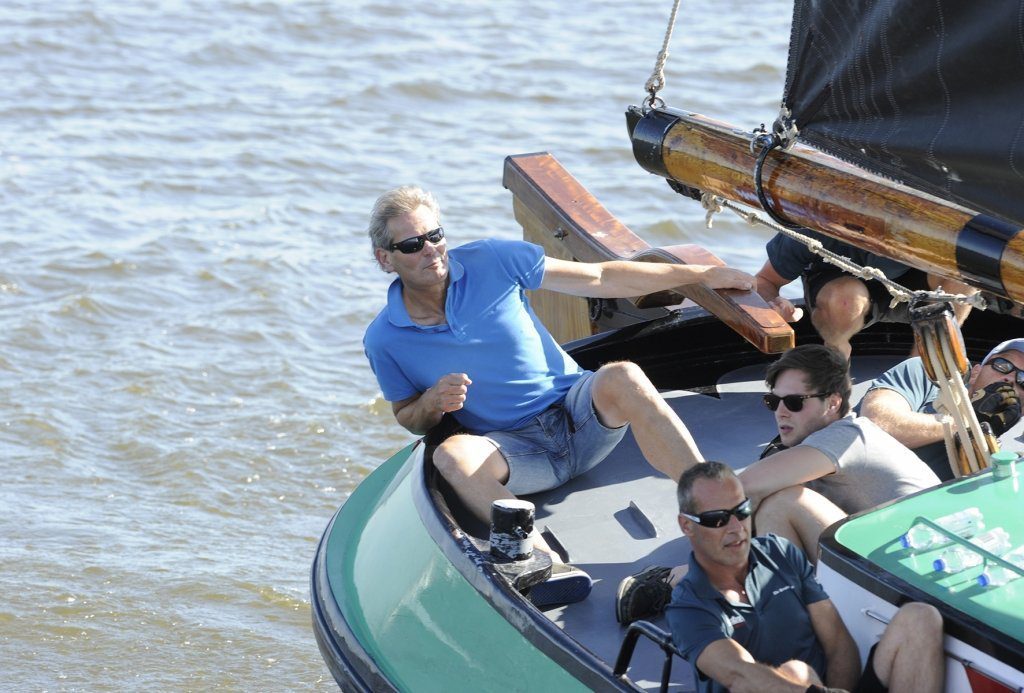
<point>825,194</point>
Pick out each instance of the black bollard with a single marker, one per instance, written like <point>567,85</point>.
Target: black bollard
<point>511,529</point>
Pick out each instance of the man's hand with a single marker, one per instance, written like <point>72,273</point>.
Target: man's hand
<point>449,392</point>
<point>997,405</point>
<point>718,277</point>
<point>785,308</point>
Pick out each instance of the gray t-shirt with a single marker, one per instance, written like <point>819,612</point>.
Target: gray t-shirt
<point>871,466</point>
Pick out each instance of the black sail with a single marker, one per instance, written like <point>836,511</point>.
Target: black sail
<point>930,93</point>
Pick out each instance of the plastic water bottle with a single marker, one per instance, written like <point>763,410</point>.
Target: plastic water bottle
<point>965,523</point>
<point>957,558</point>
<point>995,575</point>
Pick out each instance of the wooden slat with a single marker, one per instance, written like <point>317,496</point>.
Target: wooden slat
<point>575,219</point>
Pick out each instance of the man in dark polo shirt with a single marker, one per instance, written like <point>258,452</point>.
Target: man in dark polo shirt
<point>750,615</point>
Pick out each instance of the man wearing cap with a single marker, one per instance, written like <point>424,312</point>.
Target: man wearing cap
<point>901,402</point>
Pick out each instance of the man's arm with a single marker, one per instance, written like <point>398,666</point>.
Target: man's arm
<point>729,663</point>
<point>784,469</point>
<point>621,279</point>
<point>419,413</point>
<point>769,284</point>
<point>840,649</point>
<point>891,412</point>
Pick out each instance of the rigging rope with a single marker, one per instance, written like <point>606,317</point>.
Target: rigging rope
<point>900,294</point>
<point>656,82</point>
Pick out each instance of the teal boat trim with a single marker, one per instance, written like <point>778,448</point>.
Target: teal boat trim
<point>876,579</point>
<point>478,569</point>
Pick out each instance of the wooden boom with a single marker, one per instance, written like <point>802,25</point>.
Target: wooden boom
<point>557,212</point>
<point>825,194</point>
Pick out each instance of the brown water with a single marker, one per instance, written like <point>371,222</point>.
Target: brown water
<point>184,282</point>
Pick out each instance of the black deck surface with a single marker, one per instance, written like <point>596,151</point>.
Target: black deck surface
<point>591,516</point>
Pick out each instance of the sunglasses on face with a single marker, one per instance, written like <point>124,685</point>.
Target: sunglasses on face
<point>793,402</point>
<point>720,518</point>
<point>1001,365</point>
<point>415,244</point>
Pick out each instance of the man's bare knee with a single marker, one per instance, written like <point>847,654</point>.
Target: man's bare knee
<point>619,387</point>
<point>915,620</point>
<point>463,456</point>
<point>799,672</point>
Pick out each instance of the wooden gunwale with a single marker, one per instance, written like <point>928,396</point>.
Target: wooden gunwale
<point>547,195</point>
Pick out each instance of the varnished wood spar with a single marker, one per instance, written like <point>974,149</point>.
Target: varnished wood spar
<point>826,194</point>
<point>547,198</point>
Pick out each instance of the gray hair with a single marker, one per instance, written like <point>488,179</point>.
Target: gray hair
<point>713,471</point>
<point>395,203</point>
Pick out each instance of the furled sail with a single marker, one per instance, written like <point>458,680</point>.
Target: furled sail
<point>928,93</point>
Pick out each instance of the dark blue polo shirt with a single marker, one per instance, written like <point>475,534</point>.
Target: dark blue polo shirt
<point>774,628</point>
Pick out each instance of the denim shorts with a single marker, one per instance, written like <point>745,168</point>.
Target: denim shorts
<point>562,442</point>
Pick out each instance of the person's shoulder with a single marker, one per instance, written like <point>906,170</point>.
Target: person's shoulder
<point>374,333</point>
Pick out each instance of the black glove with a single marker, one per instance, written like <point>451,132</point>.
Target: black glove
<point>997,405</point>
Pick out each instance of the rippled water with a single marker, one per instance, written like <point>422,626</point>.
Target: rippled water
<point>184,282</point>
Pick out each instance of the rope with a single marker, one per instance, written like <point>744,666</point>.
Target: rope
<point>656,82</point>
<point>900,294</point>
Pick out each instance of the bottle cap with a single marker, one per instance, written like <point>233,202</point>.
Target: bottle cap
<point>984,580</point>
<point>939,564</point>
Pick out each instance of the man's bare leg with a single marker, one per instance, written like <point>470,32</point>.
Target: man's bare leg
<point>477,473</point>
<point>840,309</point>
<point>798,514</point>
<point>909,657</point>
<point>622,395</point>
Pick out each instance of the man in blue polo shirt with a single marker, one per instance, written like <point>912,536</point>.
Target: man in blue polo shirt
<point>750,615</point>
<point>901,402</point>
<point>458,335</point>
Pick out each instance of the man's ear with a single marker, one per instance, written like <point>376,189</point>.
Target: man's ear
<point>383,259</point>
<point>972,376</point>
<point>685,525</point>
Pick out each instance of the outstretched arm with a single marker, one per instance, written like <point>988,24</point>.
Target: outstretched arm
<point>622,279</point>
<point>892,413</point>
<point>784,469</point>
<point>419,413</point>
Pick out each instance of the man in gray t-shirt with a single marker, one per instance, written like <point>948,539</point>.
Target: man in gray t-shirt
<point>833,463</point>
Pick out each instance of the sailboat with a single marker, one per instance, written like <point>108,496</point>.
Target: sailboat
<point>900,133</point>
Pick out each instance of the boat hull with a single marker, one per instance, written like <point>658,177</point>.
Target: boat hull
<point>395,610</point>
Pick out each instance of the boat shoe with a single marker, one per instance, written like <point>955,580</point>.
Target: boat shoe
<point>566,585</point>
<point>642,595</point>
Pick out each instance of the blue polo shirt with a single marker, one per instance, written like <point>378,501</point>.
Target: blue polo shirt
<point>774,628</point>
<point>909,379</point>
<point>491,334</point>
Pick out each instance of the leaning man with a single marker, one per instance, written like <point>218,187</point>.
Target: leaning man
<point>458,336</point>
<point>751,617</point>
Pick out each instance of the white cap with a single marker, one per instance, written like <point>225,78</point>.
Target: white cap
<point>1008,345</point>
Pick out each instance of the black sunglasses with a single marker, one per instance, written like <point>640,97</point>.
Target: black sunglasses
<point>415,244</point>
<point>720,518</point>
<point>793,402</point>
<point>1001,365</point>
